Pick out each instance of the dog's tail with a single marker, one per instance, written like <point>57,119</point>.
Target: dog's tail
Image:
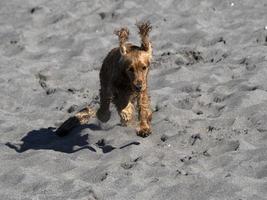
<point>80,118</point>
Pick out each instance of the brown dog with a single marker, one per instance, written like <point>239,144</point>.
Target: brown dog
<point>123,81</point>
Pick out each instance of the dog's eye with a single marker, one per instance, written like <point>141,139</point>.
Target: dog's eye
<point>131,69</point>
<point>144,68</point>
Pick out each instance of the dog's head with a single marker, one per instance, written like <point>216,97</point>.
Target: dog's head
<point>135,61</point>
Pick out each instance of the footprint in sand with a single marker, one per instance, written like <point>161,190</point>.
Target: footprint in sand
<point>43,83</point>
<point>223,147</point>
<point>13,45</point>
<point>262,172</point>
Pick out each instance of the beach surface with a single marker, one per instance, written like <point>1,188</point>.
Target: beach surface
<point>208,87</point>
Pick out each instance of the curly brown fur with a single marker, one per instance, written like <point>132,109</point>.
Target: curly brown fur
<point>82,117</point>
<point>123,81</point>
<point>144,30</point>
<point>123,35</point>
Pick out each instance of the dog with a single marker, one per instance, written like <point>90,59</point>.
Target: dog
<point>123,81</point>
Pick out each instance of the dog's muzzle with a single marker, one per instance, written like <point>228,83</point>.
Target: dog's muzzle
<point>138,87</point>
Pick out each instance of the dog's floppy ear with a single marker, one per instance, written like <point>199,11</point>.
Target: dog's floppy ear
<point>144,30</point>
<point>123,35</point>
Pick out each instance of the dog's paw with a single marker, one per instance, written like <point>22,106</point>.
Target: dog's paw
<point>125,115</point>
<point>144,132</point>
<point>103,116</point>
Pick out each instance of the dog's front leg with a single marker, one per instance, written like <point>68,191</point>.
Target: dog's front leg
<point>145,114</point>
<point>126,114</point>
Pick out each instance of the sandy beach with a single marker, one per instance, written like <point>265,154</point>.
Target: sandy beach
<point>207,85</point>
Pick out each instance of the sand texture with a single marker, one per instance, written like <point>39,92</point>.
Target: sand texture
<point>208,86</point>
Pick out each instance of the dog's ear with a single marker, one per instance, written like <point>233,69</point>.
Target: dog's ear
<point>144,30</point>
<point>123,35</point>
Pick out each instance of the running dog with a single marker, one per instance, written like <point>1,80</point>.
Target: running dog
<point>123,81</point>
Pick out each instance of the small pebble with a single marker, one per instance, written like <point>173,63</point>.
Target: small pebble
<point>50,91</point>
<point>72,108</point>
<point>181,172</point>
<point>163,138</point>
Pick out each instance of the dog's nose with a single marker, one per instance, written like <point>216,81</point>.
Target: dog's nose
<point>138,87</point>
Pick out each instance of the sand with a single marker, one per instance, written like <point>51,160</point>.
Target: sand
<point>208,89</point>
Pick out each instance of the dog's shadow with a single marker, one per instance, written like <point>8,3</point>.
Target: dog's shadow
<point>46,138</point>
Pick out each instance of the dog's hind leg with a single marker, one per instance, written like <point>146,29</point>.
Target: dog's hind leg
<point>82,117</point>
<point>103,113</point>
